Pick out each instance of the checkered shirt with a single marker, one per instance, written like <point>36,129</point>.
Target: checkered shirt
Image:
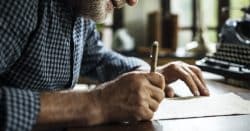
<point>43,47</point>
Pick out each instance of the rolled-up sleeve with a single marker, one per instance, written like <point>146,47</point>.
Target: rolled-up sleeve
<point>18,108</point>
<point>103,64</point>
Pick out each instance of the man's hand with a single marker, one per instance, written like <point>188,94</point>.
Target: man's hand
<point>190,74</point>
<point>133,96</point>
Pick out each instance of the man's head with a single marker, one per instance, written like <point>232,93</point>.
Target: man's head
<point>99,9</point>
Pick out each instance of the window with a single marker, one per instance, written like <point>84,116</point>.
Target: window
<point>210,18</point>
<point>183,8</point>
<point>235,6</point>
<point>187,18</point>
<point>213,18</point>
<point>113,22</point>
<point>106,31</point>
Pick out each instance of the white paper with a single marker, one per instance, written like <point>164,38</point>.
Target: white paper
<point>189,107</point>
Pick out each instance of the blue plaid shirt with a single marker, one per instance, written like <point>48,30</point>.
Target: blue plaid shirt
<point>43,47</point>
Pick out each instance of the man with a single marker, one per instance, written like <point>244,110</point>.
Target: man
<point>44,43</point>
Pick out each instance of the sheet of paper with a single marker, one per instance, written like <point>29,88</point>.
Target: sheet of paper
<point>189,107</point>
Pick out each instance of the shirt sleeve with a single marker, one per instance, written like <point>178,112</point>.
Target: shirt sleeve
<point>18,107</point>
<point>102,64</point>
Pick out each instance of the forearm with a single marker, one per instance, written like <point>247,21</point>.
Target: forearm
<point>69,108</point>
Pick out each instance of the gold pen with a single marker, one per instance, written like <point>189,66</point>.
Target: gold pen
<point>154,56</point>
<point>154,59</point>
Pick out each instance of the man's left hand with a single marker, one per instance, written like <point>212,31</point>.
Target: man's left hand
<point>190,74</point>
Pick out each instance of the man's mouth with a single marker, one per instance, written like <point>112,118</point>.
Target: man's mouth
<point>118,3</point>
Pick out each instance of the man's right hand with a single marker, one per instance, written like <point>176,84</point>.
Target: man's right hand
<point>133,96</point>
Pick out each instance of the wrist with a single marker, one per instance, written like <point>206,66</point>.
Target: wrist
<point>97,115</point>
<point>70,108</point>
<point>101,96</point>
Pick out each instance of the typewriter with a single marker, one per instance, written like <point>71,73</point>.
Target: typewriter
<point>232,56</point>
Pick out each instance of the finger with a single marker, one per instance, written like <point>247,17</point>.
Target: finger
<point>148,114</point>
<point>197,76</point>
<point>156,79</point>
<point>185,76</point>
<point>153,104</point>
<point>205,90</point>
<point>202,89</point>
<point>143,112</point>
<point>156,93</point>
<point>198,72</point>
<point>169,92</point>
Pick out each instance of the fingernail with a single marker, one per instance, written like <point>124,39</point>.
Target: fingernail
<point>197,93</point>
<point>206,91</point>
<point>170,94</point>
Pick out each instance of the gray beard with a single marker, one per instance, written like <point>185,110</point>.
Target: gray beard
<point>93,9</point>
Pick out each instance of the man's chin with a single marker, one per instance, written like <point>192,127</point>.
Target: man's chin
<point>100,19</point>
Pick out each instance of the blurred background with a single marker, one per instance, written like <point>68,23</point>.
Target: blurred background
<point>186,29</point>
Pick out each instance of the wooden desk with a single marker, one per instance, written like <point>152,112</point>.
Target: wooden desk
<point>221,123</point>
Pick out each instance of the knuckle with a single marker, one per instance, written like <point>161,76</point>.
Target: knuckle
<point>161,95</point>
<point>138,111</point>
<point>161,77</point>
<point>162,81</point>
<point>172,65</point>
<point>175,66</point>
<point>179,62</point>
<point>132,77</point>
<point>135,75</point>
<point>138,87</point>
<point>192,74</point>
<point>148,116</point>
<point>186,76</point>
<point>138,101</point>
<point>155,108</point>
<point>197,69</point>
<point>135,79</point>
<point>159,80</point>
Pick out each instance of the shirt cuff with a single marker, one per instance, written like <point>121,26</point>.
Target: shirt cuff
<point>119,65</point>
<point>18,108</point>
